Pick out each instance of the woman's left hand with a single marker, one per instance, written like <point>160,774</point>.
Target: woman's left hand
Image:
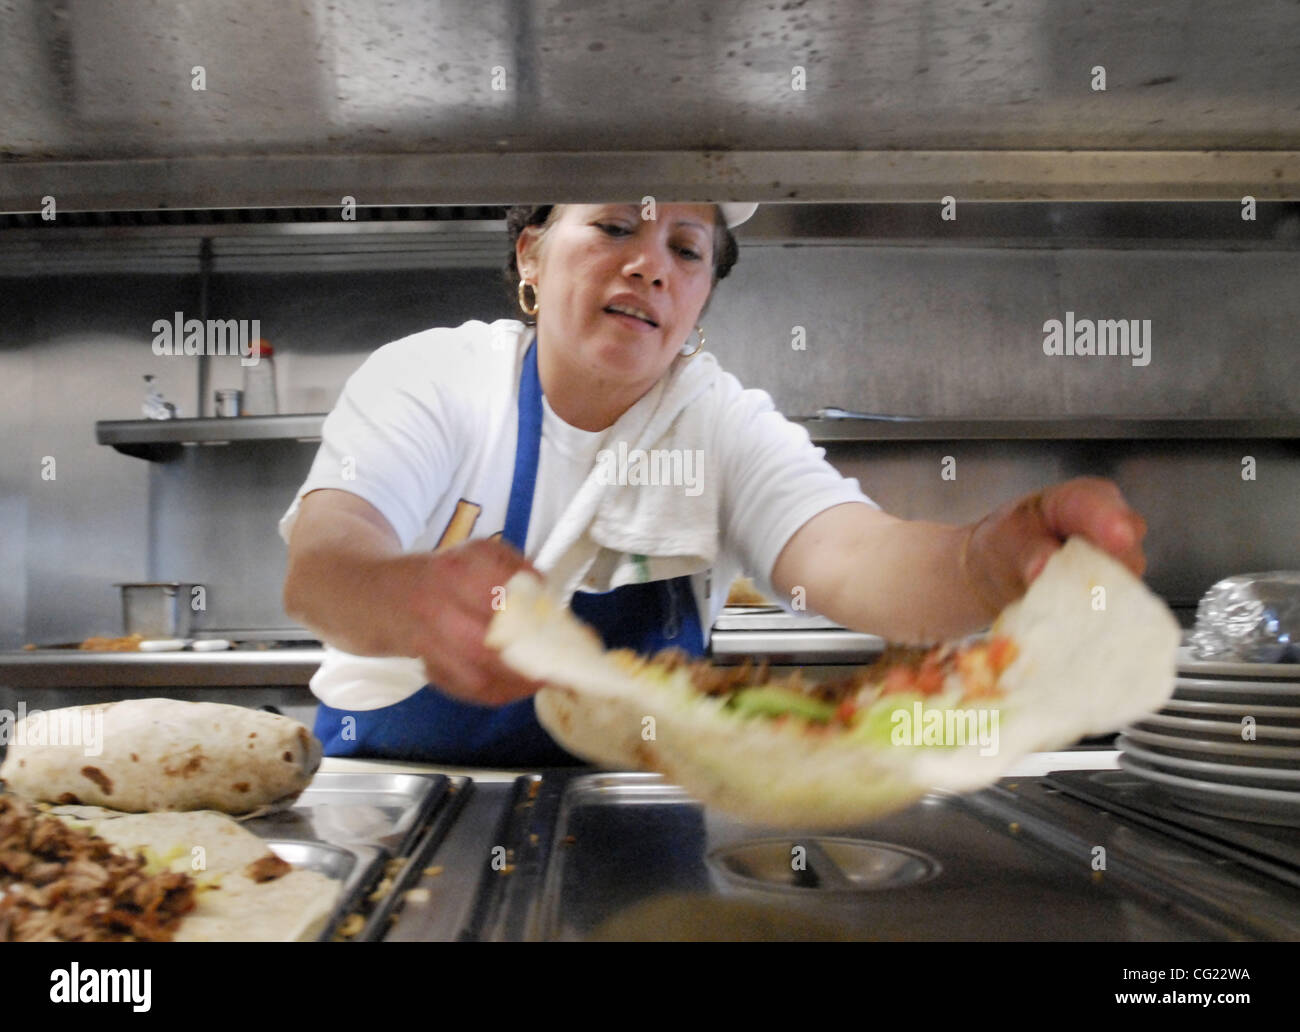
<point>1009,548</point>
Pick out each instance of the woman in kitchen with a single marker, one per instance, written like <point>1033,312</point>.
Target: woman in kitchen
<point>459,455</point>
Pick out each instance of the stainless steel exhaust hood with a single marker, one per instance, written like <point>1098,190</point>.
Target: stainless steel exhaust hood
<point>391,102</point>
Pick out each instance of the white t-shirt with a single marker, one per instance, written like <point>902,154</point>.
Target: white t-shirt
<point>425,432</point>
<point>565,458</point>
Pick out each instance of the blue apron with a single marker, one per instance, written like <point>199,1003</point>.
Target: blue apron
<point>433,727</point>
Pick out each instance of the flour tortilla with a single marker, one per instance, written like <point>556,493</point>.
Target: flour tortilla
<point>162,754</point>
<point>1087,663</point>
<point>292,908</point>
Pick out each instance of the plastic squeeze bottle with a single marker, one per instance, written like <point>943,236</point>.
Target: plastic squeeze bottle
<point>259,383</point>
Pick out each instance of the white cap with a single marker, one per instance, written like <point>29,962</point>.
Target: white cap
<point>735,214</point>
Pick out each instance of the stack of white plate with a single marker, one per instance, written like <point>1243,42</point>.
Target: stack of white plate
<point>1198,751</point>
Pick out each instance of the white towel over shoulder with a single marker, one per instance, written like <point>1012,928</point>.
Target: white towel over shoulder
<point>648,510</point>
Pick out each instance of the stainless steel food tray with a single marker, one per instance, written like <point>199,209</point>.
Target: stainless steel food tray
<point>399,819</point>
<point>354,867</point>
<point>385,810</point>
<point>415,864</point>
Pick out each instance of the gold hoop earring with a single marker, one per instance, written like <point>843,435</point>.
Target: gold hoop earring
<point>524,285</point>
<point>699,330</point>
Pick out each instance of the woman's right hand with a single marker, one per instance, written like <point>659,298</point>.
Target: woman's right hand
<point>450,596</point>
<point>349,581</point>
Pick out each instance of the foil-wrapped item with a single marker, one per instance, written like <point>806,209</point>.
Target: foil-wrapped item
<point>1252,617</point>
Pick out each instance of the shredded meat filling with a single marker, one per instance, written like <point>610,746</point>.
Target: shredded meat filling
<point>722,681</point>
<point>59,883</point>
<point>267,868</point>
<point>711,680</point>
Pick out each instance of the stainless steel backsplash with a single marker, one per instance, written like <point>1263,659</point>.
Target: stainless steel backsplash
<point>928,332</point>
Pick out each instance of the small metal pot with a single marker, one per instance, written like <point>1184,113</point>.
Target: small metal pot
<point>160,609</point>
<point>230,403</point>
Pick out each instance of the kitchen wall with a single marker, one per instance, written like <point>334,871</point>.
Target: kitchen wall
<point>959,332</point>
<point>954,331</point>
<point>74,516</point>
<point>923,331</point>
<point>73,350</point>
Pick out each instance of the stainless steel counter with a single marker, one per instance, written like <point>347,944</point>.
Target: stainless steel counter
<point>796,648</point>
<point>778,637</point>
<point>275,678</point>
<point>70,668</point>
<point>581,854</point>
<point>1033,765</point>
<point>454,875</point>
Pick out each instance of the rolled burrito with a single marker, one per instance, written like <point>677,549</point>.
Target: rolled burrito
<point>159,754</point>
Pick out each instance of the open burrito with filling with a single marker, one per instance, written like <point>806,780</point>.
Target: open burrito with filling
<point>1088,649</point>
<point>185,877</point>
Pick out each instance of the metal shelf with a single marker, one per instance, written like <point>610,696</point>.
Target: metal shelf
<point>160,440</point>
<point>1073,428</point>
<point>236,668</point>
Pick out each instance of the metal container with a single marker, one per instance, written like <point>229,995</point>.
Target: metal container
<point>230,402</point>
<point>401,818</point>
<point>159,609</point>
<point>769,633</point>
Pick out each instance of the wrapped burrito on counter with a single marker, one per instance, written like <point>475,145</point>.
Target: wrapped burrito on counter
<point>160,754</point>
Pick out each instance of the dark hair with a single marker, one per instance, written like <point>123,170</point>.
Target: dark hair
<point>725,249</point>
